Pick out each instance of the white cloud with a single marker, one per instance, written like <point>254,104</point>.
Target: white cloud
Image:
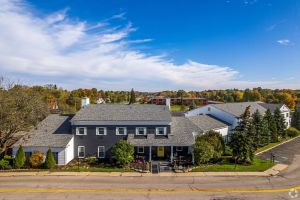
<point>74,53</point>
<point>284,42</point>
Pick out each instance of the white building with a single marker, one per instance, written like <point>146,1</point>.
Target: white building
<point>231,112</point>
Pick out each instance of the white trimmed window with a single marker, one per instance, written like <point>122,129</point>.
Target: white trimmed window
<point>101,131</point>
<point>101,151</point>
<point>140,149</point>
<point>161,130</point>
<point>121,131</point>
<point>179,148</point>
<point>81,130</point>
<point>81,151</point>
<point>208,109</point>
<point>140,131</point>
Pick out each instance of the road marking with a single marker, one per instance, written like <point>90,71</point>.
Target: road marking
<point>146,191</point>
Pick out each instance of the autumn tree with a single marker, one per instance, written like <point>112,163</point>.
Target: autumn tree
<point>20,109</point>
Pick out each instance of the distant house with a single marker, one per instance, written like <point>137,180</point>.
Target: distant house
<point>179,101</point>
<point>93,131</point>
<point>231,112</point>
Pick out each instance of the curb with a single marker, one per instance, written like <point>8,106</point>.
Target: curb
<point>273,171</point>
<point>277,145</point>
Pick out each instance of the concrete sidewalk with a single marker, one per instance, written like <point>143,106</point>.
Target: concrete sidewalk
<point>270,172</point>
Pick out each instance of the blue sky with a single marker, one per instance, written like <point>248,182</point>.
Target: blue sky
<point>152,45</point>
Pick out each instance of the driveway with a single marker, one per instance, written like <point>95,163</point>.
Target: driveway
<point>284,153</point>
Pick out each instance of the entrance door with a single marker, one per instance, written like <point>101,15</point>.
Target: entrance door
<point>160,152</point>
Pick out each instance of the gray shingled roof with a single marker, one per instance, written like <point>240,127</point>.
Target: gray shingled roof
<point>207,123</point>
<point>237,109</point>
<point>123,112</point>
<point>181,135</point>
<point>54,131</point>
<point>270,106</point>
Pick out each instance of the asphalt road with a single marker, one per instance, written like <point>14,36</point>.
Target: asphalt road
<point>155,187</point>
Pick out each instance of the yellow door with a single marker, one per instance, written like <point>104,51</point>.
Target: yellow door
<point>160,151</point>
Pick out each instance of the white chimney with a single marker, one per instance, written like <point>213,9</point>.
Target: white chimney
<point>168,103</point>
<point>85,101</point>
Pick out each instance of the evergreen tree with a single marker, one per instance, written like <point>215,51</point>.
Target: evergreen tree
<point>242,141</point>
<point>296,118</point>
<point>262,133</point>
<point>270,122</point>
<point>132,99</point>
<point>50,161</point>
<point>257,125</point>
<point>280,123</point>
<point>20,158</point>
<point>193,105</point>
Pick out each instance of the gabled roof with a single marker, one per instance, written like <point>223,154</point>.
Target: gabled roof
<point>123,112</point>
<point>182,130</point>
<point>207,123</point>
<point>53,131</point>
<point>237,109</point>
<point>270,106</point>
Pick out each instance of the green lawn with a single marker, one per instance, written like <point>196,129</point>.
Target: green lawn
<point>178,108</point>
<point>258,165</point>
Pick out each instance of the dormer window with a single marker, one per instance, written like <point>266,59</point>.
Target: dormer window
<point>81,131</point>
<point>208,109</point>
<point>121,131</point>
<point>141,131</point>
<point>101,131</point>
<point>161,130</point>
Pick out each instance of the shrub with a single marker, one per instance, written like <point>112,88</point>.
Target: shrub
<point>293,132</point>
<point>50,161</point>
<point>4,164</point>
<point>36,159</point>
<point>216,140</point>
<point>123,153</point>
<point>203,152</point>
<point>92,160</point>
<point>228,151</point>
<point>20,158</point>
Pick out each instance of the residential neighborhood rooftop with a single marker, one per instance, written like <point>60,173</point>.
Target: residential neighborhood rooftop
<point>181,134</point>
<point>237,109</point>
<point>53,131</point>
<point>206,122</point>
<point>123,112</point>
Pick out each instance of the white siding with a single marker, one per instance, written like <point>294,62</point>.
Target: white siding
<point>61,152</point>
<point>222,131</point>
<point>222,115</point>
<point>287,115</point>
<point>69,151</point>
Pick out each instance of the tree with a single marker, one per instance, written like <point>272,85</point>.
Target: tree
<point>242,140</point>
<point>132,99</point>
<point>209,146</point>
<point>280,123</point>
<point>123,153</point>
<point>50,161</point>
<point>193,105</point>
<point>20,158</point>
<point>36,159</point>
<point>296,118</point>
<point>203,151</point>
<point>271,124</point>
<point>216,140</point>
<point>21,108</point>
<point>262,133</point>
